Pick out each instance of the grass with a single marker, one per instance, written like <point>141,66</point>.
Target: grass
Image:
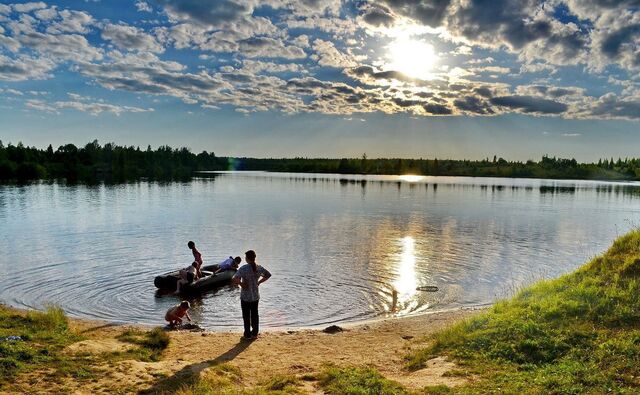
<point>577,334</point>
<point>43,334</point>
<point>150,344</point>
<point>225,379</point>
<point>357,381</point>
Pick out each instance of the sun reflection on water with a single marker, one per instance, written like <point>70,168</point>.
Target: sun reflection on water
<point>406,283</point>
<point>411,178</point>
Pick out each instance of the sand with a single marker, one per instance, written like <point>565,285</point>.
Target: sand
<point>381,344</point>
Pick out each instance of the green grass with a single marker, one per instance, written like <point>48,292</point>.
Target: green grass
<point>225,379</point>
<point>357,381</point>
<point>44,335</point>
<point>577,334</point>
<point>150,344</point>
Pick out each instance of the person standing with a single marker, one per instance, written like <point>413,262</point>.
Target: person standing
<point>197,257</point>
<point>249,277</point>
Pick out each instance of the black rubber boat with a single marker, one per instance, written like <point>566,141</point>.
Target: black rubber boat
<point>209,281</point>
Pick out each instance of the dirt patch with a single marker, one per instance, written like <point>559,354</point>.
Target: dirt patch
<point>98,346</point>
<point>437,372</point>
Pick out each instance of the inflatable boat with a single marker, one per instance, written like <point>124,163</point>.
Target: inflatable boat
<point>209,281</point>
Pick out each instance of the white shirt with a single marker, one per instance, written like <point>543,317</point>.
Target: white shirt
<point>226,264</point>
<point>249,277</point>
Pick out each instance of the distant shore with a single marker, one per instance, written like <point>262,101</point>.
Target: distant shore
<point>114,163</point>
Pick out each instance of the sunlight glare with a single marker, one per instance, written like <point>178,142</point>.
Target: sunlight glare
<point>406,282</point>
<point>411,178</point>
<point>412,57</point>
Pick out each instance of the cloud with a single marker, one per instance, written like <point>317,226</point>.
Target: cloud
<point>145,73</point>
<point>550,91</point>
<point>82,104</point>
<point>70,22</point>
<point>226,38</point>
<point>301,41</point>
<point>143,6</point>
<point>437,109</point>
<point>474,105</point>
<point>12,91</point>
<point>209,13</point>
<point>266,47</point>
<point>73,47</point>
<point>616,39</point>
<point>28,7</point>
<point>130,38</point>
<point>530,104</point>
<point>9,43</point>
<point>377,15</point>
<point>537,68</point>
<point>47,14</point>
<point>257,66</point>
<point>522,26</point>
<point>25,68</point>
<point>427,12</point>
<point>491,69</point>
<point>341,28</point>
<point>611,106</point>
<point>329,55</point>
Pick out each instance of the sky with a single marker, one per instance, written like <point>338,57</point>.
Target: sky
<point>326,78</point>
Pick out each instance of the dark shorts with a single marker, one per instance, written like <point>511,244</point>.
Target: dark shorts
<point>190,277</point>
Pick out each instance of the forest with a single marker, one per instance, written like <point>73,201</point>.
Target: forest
<point>114,163</point>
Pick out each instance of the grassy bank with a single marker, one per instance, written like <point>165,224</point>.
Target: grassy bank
<point>33,339</point>
<point>33,344</point>
<point>577,334</point>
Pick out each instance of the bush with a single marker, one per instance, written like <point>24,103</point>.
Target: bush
<point>7,170</point>
<point>358,381</point>
<point>30,171</point>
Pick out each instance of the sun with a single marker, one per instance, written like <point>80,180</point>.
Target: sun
<point>414,58</point>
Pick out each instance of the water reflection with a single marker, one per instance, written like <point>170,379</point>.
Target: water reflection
<point>406,282</point>
<point>336,252</point>
<point>411,178</point>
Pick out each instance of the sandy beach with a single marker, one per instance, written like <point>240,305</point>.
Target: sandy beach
<point>381,344</point>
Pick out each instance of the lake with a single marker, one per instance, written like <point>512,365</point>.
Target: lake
<point>337,245</point>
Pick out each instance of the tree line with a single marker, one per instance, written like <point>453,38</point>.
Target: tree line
<point>111,162</point>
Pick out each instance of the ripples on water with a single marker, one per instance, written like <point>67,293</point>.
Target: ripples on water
<point>336,245</point>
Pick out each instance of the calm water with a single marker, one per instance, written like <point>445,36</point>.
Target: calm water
<point>336,245</point>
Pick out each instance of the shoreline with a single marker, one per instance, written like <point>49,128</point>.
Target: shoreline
<point>276,329</point>
<point>381,344</point>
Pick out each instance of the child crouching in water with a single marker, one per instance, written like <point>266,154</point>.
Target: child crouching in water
<point>174,315</point>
